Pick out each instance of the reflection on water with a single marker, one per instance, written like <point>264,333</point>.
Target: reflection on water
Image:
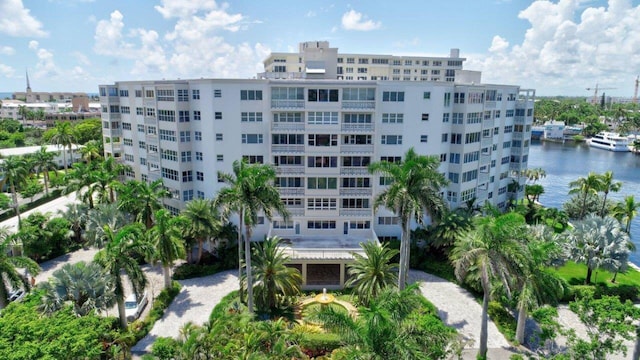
<point>567,162</point>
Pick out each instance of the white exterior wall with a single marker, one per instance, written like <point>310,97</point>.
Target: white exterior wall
<point>231,128</point>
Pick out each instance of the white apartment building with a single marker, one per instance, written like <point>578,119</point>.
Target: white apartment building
<point>320,133</point>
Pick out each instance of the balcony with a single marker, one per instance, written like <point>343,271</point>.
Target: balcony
<point>295,211</point>
<point>358,104</point>
<point>112,132</point>
<point>355,212</point>
<point>287,148</point>
<point>149,102</point>
<point>287,104</point>
<point>358,127</point>
<point>515,166</point>
<point>291,191</point>
<point>355,191</point>
<point>111,116</point>
<point>149,120</point>
<point>487,124</point>
<point>489,104</point>
<point>287,126</point>
<point>354,170</point>
<point>486,142</point>
<point>517,136</point>
<point>154,175</point>
<point>368,148</point>
<point>290,169</point>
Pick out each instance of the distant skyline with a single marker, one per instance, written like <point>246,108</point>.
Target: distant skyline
<point>556,47</point>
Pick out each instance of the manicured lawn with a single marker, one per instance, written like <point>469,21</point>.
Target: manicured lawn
<point>575,273</point>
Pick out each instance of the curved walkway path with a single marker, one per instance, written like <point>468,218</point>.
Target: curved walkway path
<point>193,304</point>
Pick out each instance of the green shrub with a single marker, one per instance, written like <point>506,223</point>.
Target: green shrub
<point>624,292</point>
<point>190,271</point>
<point>318,344</point>
<point>165,348</point>
<point>503,319</point>
<point>227,304</point>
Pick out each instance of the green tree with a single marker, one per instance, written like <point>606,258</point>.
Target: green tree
<point>452,225</point>
<point>92,151</point>
<point>62,135</point>
<point>9,269</point>
<point>117,259</point>
<point>275,281</point>
<point>625,211</point>
<point>203,222</point>
<point>250,191</point>
<point>104,216</point>
<point>80,181</point>
<point>77,215</point>
<point>495,251</point>
<point>598,243</point>
<point>413,193</point>
<point>31,188</point>
<point>14,173</point>
<point>142,199</point>
<point>607,185</point>
<point>88,130</point>
<point>165,236</point>
<point>371,274</point>
<point>85,285</point>
<point>586,186</point>
<point>43,160</point>
<point>23,111</point>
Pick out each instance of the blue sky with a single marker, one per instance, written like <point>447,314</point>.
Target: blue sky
<point>557,47</point>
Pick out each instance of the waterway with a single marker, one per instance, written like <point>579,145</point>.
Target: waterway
<point>567,162</point>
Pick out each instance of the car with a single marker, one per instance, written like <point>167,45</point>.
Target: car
<point>133,308</point>
<point>16,295</point>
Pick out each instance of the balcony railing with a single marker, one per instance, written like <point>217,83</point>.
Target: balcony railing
<point>290,169</point>
<point>355,191</point>
<point>489,104</point>
<point>287,126</point>
<point>287,104</point>
<point>354,170</point>
<point>368,148</point>
<point>149,120</point>
<point>484,142</point>
<point>287,148</point>
<point>358,127</point>
<point>357,104</point>
<point>291,191</point>
<point>355,212</point>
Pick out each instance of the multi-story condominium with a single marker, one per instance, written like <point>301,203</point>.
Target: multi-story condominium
<point>321,132</point>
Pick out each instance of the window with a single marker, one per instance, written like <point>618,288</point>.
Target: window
<point>322,95</point>
<point>322,183</point>
<point>167,135</point>
<point>199,176</point>
<point>384,180</point>
<point>128,157</point>
<point>468,194</point>
<point>458,118</point>
<point>287,93</point>
<point>218,115</point>
<point>197,116</point>
<point>164,95</point>
<point>151,130</point>
<point>187,195</point>
<point>456,138</point>
<point>139,111</point>
<point>472,138</point>
<point>508,129</point>
<point>391,139</point>
<point>388,220</point>
<point>321,224</point>
<point>358,94</point>
<point>356,119</point>
<point>356,182</point>
<point>217,93</point>
<point>287,117</point>
<point>392,118</point>
<point>126,126</point>
<point>185,136</point>
<point>322,118</point>
<point>170,174</point>
<point>458,98</point>
<point>289,182</point>
<point>287,139</point>
<point>454,177</point>
<point>253,159</point>
<point>187,176</point>
<point>322,139</point>
<point>185,156</point>
<point>445,118</point>
<point>220,157</point>
<point>287,160</point>
<point>197,135</point>
<point>454,158</point>
<point>443,157</point>
<point>322,161</point>
<point>251,116</point>
<point>183,95</point>
<point>474,118</point>
<point>127,142</point>
<point>150,112</point>
<point>138,93</point>
<point>149,93</point>
<point>169,155</point>
<point>471,156</point>
<point>356,139</point>
<point>195,94</point>
<point>200,194</point>
<point>219,137</point>
<point>250,94</point>
<point>199,156</point>
<point>360,224</point>
<point>509,113</point>
<point>425,117</point>
<point>452,196</point>
<point>280,224</point>
<point>183,116</point>
<point>125,110</point>
<point>252,138</point>
<point>445,138</point>
<point>140,128</point>
<point>355,204</point>
<point>393,96</point>
<point>359,161</point>
<point>475,98</point>
<point>506,144</point>
<point>124,93</point>
<point>167,115</point>
<point>143,161</point>
<point>424,138</point>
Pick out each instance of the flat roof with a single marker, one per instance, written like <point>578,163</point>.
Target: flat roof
<point>314,247</point>
<point>32,149</point>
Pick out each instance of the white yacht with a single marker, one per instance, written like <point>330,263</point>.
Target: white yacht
<point>609,141</point>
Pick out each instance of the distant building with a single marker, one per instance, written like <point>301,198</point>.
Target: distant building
<point>26,150</point>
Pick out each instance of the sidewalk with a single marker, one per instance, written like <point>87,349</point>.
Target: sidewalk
<point>51,207</point>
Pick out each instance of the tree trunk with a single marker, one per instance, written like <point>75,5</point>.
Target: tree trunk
<point>14,197</point>
<point>587,280</point>
<point>404,251</point>
<point>522,322</point>
<point>122,313</point>
<point>247,256</point>
<point>604,204</point>
<point>3,296</point>
<point>46,182</point>
<point>482,353</point>
<point>241,214</point>
<point>166,271</point>
<point>200,243</point>
<point>64,160</point>
<point>615,275</point>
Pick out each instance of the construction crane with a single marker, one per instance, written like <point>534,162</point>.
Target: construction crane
<point>635,92</point>
<point>595,92</point>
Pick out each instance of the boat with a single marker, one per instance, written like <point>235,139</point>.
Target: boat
<point>609,141</point>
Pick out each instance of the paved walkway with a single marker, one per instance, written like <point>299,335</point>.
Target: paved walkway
<point>193,304</point>
<point>51,207</point>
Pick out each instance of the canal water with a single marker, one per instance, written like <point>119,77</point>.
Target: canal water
<point>567,162</point>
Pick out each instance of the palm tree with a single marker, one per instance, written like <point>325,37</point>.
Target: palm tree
<point>166,238</point>
<point>607,185</point>
<point>116,258</point>
<point>414,192</point>
<point>77,215</point>
<point>63,137</point>
<point>111,171</point>
<point>451,226</point>
<point>142,199</point>
<point>372,273</point>
<point>274,279</point>
<point>495,250</point>
<point>86,285</point>
<point>202,221</point>
<point>250,192</point>
<point>586,186</point>
<point>91,151</point>
<point>9,265</point>
<point>80,181</point>
<point>43,161</point>
<point>100,218</point>
<point>598,243</point>
<point>625,211</point>
<point>539,285</point>
<point>14,170</point>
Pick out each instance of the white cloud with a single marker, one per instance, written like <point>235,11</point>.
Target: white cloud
<point>16,20</point>
<point>6,70</point>
<point>82,58</point>
<point>353,20</point>
<point>7,50</point>
<point>311,13</point>
<point>568,47</point>
<point>33,45</point>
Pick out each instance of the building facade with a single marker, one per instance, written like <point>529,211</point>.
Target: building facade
<point>321,134</point>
